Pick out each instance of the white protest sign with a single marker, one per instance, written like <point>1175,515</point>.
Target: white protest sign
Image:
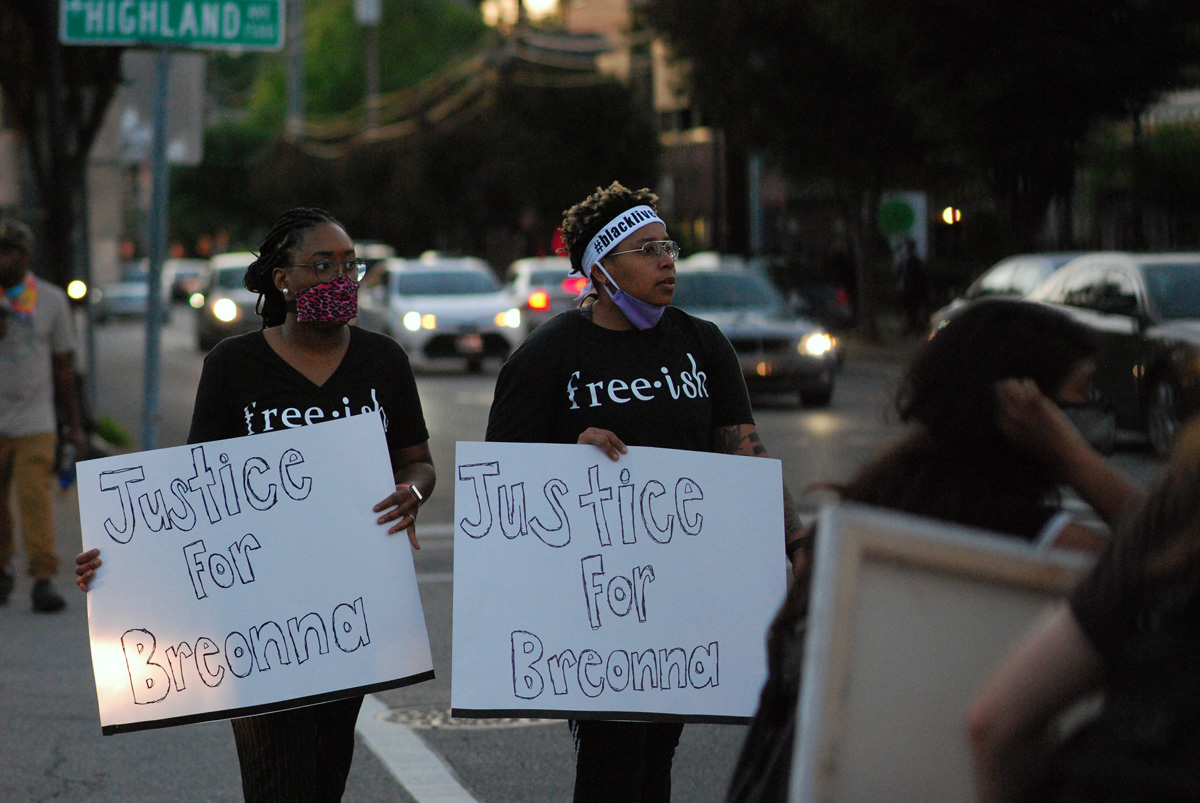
<point>636,589</point>
<point>247,575</point>
<point>907,617</point>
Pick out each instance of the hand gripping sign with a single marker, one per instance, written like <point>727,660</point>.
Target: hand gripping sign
<point>640,589</point>
<point>247,575</point>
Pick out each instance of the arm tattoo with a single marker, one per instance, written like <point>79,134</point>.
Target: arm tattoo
<point>739,439</point>
<point>743,439</point>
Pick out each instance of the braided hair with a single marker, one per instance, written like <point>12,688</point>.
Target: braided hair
<point>584,220</point>
<point>275,252</point>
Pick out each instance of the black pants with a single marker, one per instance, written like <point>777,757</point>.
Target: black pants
<point>624,762</point>
<point>300,756</point>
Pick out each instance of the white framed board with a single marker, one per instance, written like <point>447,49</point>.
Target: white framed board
<point>907,617</point>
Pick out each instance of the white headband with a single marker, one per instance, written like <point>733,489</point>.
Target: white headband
<point>618,228</point>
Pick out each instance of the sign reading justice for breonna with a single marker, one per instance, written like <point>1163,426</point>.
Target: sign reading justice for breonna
<point>248,575</point>
<point>639,589</point>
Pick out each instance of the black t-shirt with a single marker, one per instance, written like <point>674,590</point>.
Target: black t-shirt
<point>246,388</point>
<point>667,386</point>
<point>1145,623</point>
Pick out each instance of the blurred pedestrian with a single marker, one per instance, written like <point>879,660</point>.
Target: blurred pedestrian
<point>992,395</point>
<point>37,390</point>
<point>1129,632</point>
<point>627,329</point>
<point>912,288</point>
<point>309,357</point>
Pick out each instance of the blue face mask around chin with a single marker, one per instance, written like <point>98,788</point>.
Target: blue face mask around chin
<point>641,314</point>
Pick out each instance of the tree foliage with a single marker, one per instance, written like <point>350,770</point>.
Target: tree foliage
<point>416,39</point>
<point>1152,177</point>
<point>55,98</point>
<point>491,181</point>
<point>1004,91</point>
<point>249,175</point>
<point>1015,88</point>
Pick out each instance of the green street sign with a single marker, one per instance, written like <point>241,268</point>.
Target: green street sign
<point>212,24</point>
<point>895,217</point>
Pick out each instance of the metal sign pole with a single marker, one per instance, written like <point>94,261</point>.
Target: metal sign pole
<point>156,237</point>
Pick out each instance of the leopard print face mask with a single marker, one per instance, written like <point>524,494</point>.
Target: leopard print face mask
<point>331,302</point>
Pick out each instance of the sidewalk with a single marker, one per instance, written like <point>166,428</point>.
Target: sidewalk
<point>51,741</point>
<point>893,346</point>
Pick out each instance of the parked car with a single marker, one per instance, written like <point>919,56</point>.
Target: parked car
<point>1145,312</point>
<point>1012,276</point>
<point>129,297</point>
<point>224,307</point>
<point>542,287</point>
<point>711,260</point>
<point>187,277</point>
<point>442,310</point>
<point>778,351</point>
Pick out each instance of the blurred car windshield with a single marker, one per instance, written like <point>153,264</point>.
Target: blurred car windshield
<point>725,291</point>
<point>546,278</point>
<point>444,283</point>
<point>230,279</point>
<point>1175,289</point>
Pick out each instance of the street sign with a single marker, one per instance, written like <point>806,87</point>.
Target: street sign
<point>210,24</point>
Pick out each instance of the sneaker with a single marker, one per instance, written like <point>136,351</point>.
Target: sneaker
<point>45,598</point>
<point>6,585</point>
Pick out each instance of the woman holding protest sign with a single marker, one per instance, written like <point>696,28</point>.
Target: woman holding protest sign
<point>308,357</point>
<point>627,369</point>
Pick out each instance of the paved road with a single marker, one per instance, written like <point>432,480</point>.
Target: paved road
<point>408,748</point>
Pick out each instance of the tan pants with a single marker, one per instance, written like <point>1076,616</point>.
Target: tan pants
<point>27,466</point>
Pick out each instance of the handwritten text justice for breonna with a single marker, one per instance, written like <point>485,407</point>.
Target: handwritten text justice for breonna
<point>613,514</point>
<point>213,492</point>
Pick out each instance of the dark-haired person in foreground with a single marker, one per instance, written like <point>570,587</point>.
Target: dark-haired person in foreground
<point>1128,631</point>
<point>308,356</point>
<point>997,399</point>
<point>627,337</point>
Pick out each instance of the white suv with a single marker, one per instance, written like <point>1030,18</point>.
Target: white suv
<point>442,310</point>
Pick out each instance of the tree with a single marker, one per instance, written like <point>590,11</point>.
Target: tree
<point>1014,89</point>
<point>771,77</point>
<point>57,97</point>
<point>491,179</point>
<point>249,175</point>
<point>870,92</point>
<point>417,39</point>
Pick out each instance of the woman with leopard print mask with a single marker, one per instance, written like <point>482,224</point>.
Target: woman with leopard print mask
<point>309,356</point>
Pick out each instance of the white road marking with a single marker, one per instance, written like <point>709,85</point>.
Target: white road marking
<point>418,769</point>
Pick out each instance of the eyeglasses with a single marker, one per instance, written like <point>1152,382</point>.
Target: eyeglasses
<point>653,249</point>
<point>326,270</point>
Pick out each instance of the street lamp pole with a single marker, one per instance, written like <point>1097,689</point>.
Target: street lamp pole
<point>368,14</point>
<point>294,19</point>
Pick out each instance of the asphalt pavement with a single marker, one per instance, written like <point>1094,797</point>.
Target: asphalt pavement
<point>53,747</point>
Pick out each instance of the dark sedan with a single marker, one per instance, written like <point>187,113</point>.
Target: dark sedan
<point>1014,276</point>
<point>1145,311</point>
<point>778,352</point>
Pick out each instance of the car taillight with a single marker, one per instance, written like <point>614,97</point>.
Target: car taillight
<point>574,285</point>
<point>538,299</point>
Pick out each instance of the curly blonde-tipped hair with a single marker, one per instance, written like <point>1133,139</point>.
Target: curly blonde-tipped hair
<point>585,219</point>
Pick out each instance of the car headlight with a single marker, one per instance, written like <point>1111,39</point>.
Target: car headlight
<point>816,344</point>
<point>77,290</point>
<point>225,310</point>
<point>414,321</point>
<point>510,318</point>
